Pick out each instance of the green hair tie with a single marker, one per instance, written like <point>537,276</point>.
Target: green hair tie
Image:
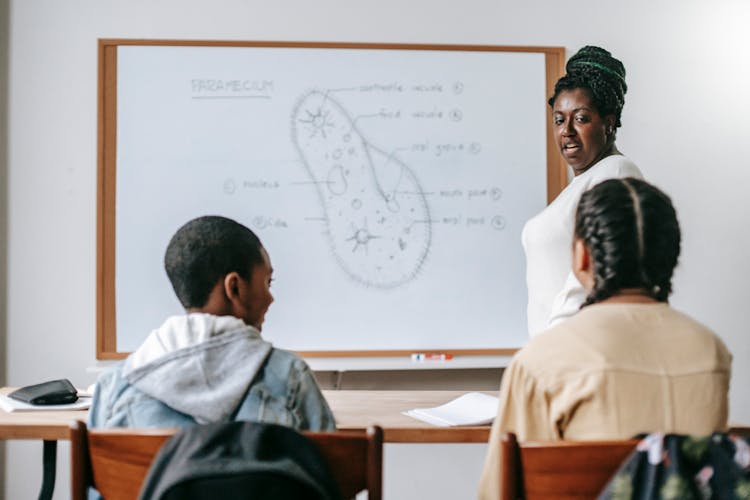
<point>601,67</point>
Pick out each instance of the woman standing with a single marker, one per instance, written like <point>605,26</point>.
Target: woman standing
<point>586,108</point>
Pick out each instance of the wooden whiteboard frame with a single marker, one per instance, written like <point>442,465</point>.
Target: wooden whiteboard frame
<point>106,336</point>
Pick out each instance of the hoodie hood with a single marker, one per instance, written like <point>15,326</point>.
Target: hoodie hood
<point>199,364</point>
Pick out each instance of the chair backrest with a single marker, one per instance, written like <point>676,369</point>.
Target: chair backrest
<point>559,469</point>
<point>739,430</point>
<point>116,461</point>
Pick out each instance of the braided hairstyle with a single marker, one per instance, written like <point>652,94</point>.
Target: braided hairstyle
<point>601,75</point>
<point>631,232</point>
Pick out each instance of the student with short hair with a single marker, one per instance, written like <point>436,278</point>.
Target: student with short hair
<point>211,364</point>
<point>626,363</point>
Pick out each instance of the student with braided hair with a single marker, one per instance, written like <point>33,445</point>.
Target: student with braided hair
<point>586,108</point>
<point>627,363</point>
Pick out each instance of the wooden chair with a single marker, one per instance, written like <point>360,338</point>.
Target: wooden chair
<point>740,430</point>
<point>116,461</point>
<point>561,470</point>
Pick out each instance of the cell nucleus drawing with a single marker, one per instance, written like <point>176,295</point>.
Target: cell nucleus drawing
<point>377,216</point>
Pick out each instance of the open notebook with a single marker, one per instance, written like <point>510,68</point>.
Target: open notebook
<point>473,408</point>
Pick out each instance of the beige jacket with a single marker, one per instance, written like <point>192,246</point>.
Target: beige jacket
<point>610,372</point>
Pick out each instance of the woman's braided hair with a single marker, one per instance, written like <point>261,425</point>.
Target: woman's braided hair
<point>630,229</point>
<point>596,71</point>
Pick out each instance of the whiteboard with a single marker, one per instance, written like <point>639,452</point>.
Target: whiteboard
<point>389,187</point>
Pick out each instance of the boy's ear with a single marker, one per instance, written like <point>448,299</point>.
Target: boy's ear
<point>231,285</point>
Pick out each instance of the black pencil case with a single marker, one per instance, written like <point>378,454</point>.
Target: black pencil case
<point>54,392</point>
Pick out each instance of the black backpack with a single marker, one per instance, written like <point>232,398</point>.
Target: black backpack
<point>247,460</point>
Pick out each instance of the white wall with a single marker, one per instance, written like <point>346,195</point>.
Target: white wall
<point>685,123</point>
<point>4,23</point>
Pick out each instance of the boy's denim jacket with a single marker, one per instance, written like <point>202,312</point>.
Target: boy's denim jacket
<point>228,375</point>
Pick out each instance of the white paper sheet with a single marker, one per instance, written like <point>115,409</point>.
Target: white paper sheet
<point>473,408</point>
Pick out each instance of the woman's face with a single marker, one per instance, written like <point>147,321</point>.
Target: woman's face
<point>581,133</point>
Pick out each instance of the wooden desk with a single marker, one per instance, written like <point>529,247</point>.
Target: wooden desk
<point>354,411</point>
<point>46,426</point>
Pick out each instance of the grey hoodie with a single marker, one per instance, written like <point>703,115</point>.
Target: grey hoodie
<point>198,364</point>
<point>200,368</point>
